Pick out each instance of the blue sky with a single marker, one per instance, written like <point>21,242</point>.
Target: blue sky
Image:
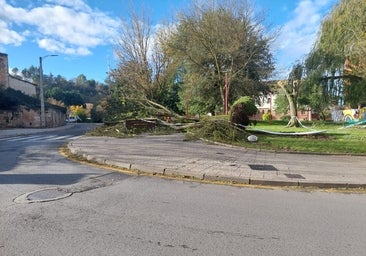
<point>83,32</point>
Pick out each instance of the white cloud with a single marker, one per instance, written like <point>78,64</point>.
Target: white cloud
<point>52,45</point>
<point>64,26</point>
<point>299,34</point>
<point>9,36</point>
<point>74,4</point>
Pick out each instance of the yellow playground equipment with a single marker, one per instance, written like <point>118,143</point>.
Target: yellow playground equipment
<point>354,115</point>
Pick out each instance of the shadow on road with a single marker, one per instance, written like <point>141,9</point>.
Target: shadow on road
<point>9,161</point>
<point>42,179</point>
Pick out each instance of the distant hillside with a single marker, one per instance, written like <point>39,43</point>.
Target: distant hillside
<point>10,99</point>
<point>77,91</point>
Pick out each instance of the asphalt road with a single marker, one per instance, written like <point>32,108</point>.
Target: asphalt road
<point>117,214</point>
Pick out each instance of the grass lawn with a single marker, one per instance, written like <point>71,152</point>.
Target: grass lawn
<point>335,139</point>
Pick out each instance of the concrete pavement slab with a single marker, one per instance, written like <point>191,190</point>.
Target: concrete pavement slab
<point>174,155</point>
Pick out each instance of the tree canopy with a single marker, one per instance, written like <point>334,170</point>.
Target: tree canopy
<point>142,83</point>
<point>62,92</point>
<point>75,91</point>
<point>337,63</point>
<point>220,39</point>
<point>186,66</point>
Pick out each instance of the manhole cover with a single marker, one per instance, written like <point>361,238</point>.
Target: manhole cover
<point>294,176</point>
<point>44,195</point>
<point>262,167</point>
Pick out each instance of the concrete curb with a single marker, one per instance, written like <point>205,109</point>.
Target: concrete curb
<point>140,169</point>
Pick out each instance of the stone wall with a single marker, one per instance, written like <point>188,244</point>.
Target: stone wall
<point>22,116</point>
<point>4,69</point>
<point>25,117</point>
<point>12,81</point>
<point>20,85</point>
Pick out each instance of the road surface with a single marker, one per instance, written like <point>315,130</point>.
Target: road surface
<point>115,214</point>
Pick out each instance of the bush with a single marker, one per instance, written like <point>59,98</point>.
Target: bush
<point>241,110</point>
<point>286,118</point>
<point>266,116</point>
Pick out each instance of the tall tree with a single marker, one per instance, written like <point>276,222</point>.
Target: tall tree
<point>344,35</point>
<point>81,80</point>
<point>219,40</point>
<point>291,89</point>
<point>141,82</point>
<point>31,74</point>
<point>337,62</point>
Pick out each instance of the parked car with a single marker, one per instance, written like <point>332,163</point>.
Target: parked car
<point>73,119</point>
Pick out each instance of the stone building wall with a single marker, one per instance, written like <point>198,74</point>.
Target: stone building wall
<point>24,117</point>
<point>19,118</point>
<point>20,85</point>
<point>4,69</point>
<point>13,82</point>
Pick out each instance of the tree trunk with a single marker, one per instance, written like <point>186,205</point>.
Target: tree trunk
<point>291,95</point>
<point>293,112</point>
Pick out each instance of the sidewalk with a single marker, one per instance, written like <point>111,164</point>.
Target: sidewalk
<point>172,155</point>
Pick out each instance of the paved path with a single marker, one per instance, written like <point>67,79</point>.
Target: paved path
<point>173,155</point>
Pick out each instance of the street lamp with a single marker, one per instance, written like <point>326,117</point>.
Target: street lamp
<point>41,95</point>
<point>227,86</point>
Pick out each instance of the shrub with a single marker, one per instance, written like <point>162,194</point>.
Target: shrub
<point>241,110</point>
<point>266,116</point>
<point>286,118</point>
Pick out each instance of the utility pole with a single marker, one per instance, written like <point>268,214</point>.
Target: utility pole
<point>226,107</point>
<point>41,94</point>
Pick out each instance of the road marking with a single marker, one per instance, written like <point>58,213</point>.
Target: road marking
<point>76,137</point>
<point>40,138</point>
<point>23,138</point>
<point>61,137</point>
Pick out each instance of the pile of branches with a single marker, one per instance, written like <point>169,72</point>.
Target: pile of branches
<point>218,130</point>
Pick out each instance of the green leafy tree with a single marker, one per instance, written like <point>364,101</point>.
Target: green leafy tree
<point>78,111</point>
<point>337,62</point>
<point>31,74</point>
<point>241,110</point>
<point>220,39</point>
<point>281,104</point>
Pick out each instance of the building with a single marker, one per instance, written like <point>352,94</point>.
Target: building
<point>4,80</point>
<point>268,105</point>
<point>14,82</point>
<point>25,115</point>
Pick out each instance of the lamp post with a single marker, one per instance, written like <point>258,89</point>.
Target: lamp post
<point>226,100</point>
<point>41,95</point>
<point>270,107</point>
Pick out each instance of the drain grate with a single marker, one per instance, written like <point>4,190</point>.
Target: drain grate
<point>262,167</point>
<point>47,194</point>
<point>43,195</point>
<point>294,176</point>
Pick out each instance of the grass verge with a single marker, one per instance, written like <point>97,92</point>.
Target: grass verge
<point>337,139</point>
